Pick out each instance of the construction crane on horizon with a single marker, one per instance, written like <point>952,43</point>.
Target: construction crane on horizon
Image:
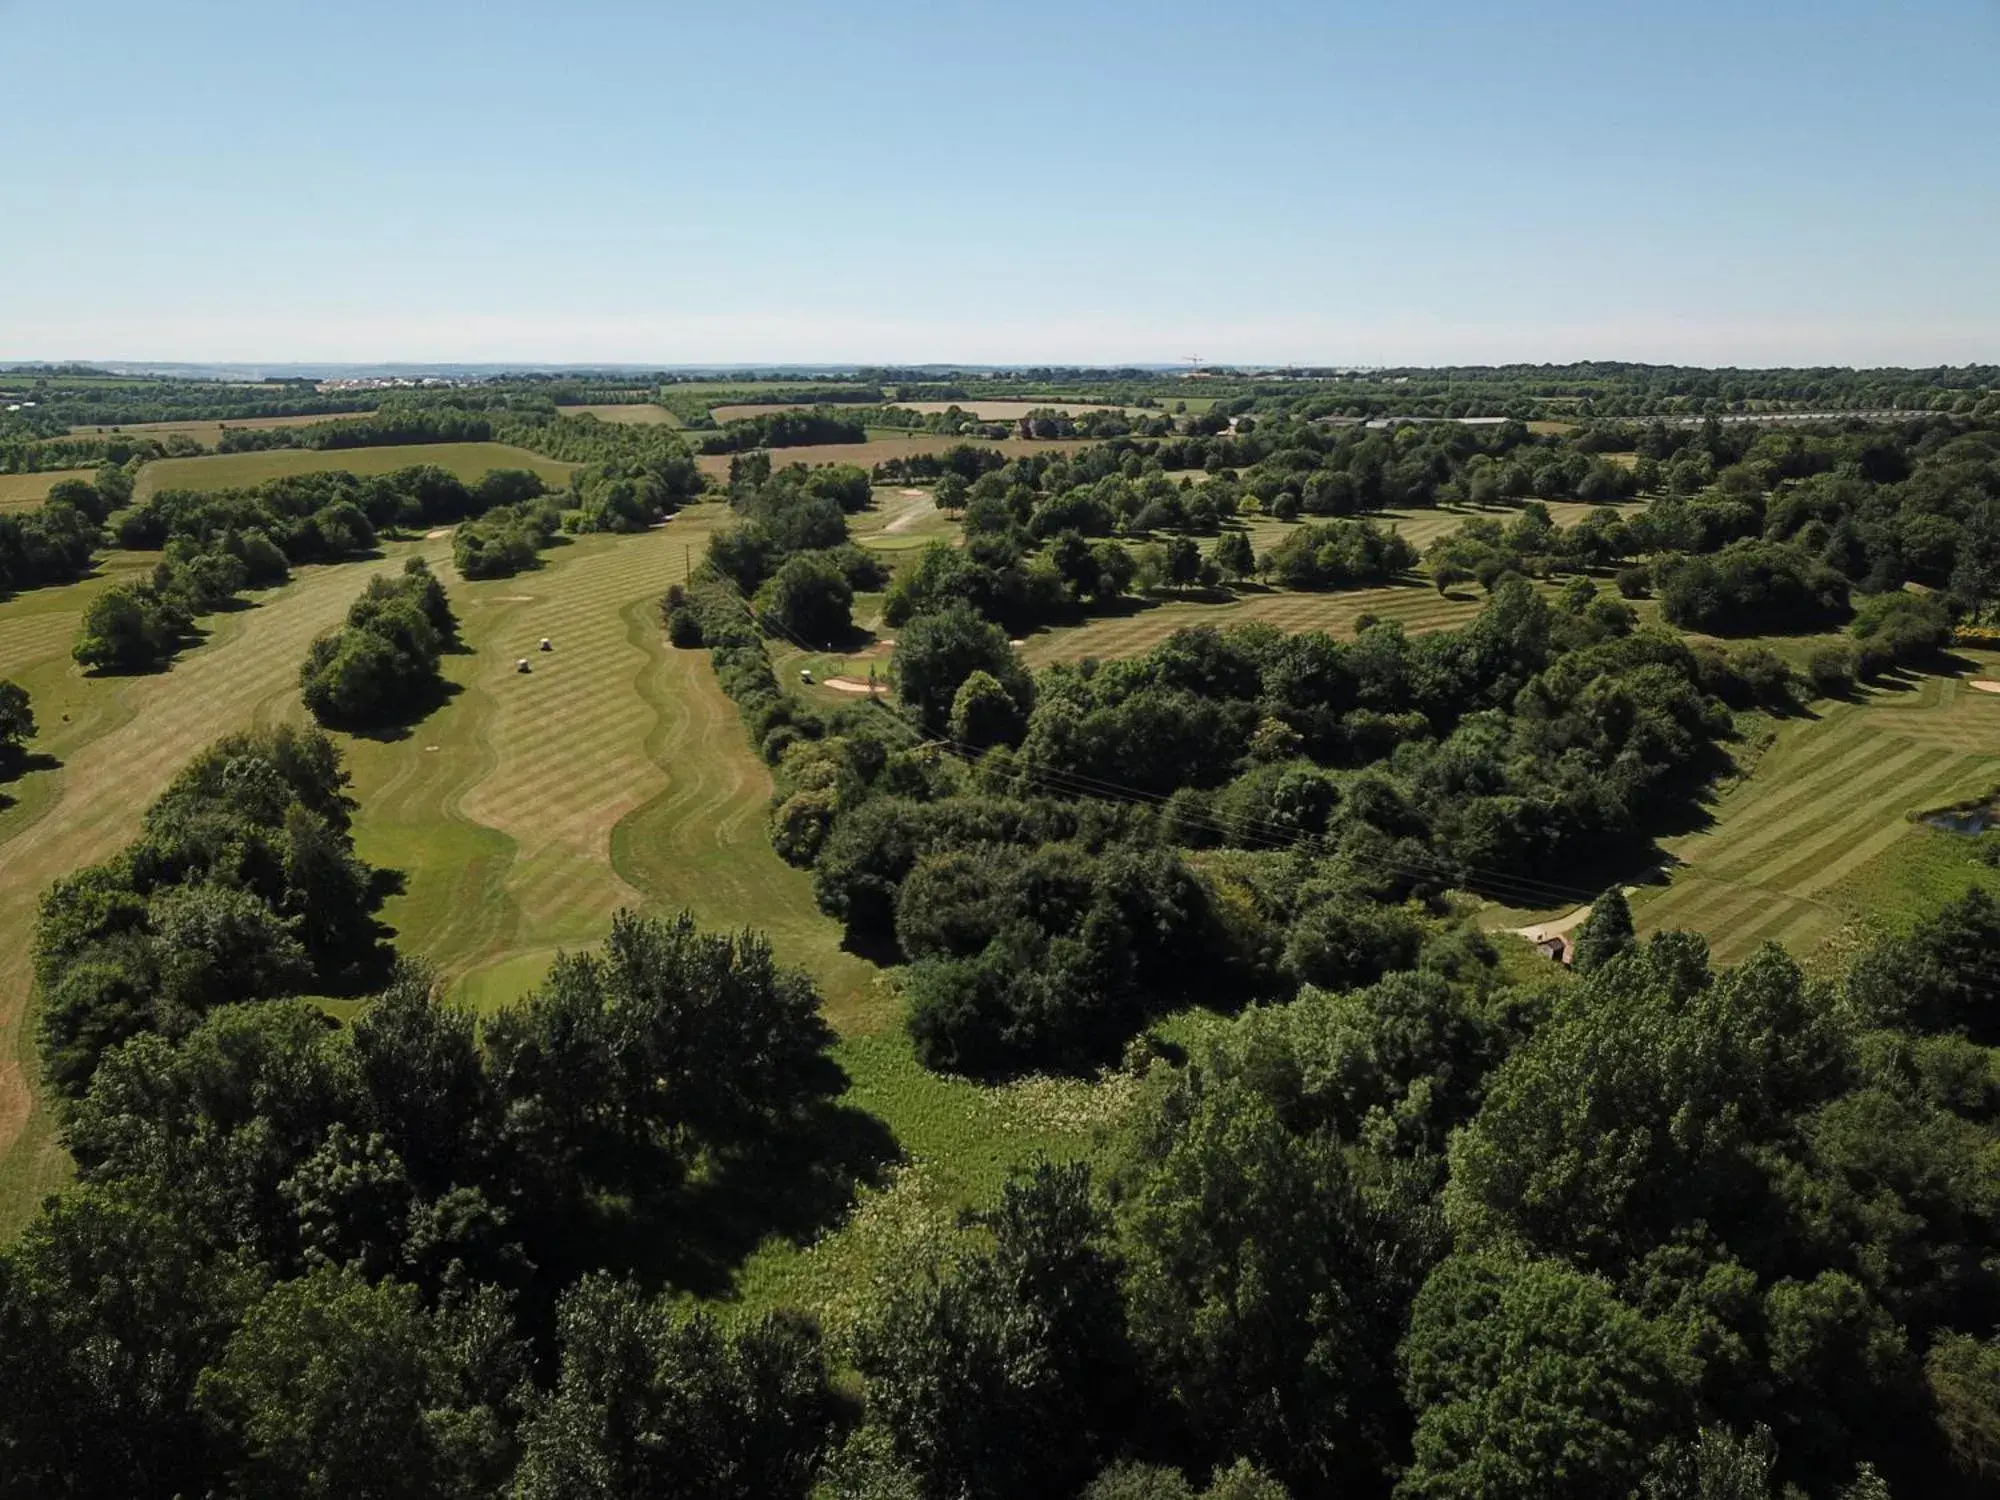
<point>1194,363</point>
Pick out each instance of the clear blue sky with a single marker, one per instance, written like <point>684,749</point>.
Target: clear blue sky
<point>1784,182</point>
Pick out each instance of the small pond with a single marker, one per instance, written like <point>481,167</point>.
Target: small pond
<point>1966,820</point>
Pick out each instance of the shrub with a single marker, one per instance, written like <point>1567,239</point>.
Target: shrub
<point>130,627</point>
<point>1911,628</point>
<point>1831,671</point>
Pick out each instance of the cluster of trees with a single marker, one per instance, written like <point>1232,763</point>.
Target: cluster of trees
<point>381,668</point>
<point>395,424</point>
<point>506,540</point>
<point>1339,554</point>
<point>1040,544</point>
<point>1802,518</point>
<point>1345,1245</point>
<point>140,626</point>
<point>328,516</point>
<point>1289,464</point>
<point>786,429</point>
<point>55,542</point>
<point>790,554</point>
<point>391,1258</point>
<point>1533,742</point>
<point>632,493</point>
<point>1751,587</point>
<point>243,886</point>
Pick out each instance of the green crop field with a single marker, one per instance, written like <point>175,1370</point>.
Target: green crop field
<point>1816,844</point>
<point>220,471</point>
<point>639,413</point>
<point>24,491</point>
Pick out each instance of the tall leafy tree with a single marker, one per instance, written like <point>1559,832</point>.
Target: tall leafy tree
<point>650,1405</point>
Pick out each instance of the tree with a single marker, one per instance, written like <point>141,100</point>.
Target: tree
<point>623,1062</point>
<point>334,1388</point>
<point>1606,932</point>
<point>1531,1380</point>
<point>650,1405</point>
<point>129,627</point>
<point>983,715</point>
<point>1234,555</point>
<point>1676,1075</point>
<point>1242,1480</point>
<point>1909,628</point>
<point>1964,1378</point>
<point>937,652</point>
<point>1717,1465</point>
<point>382,668</point>
<point>1252,1288</point>
<point>809,599</point>
<point>1940,977</point>
<point>108,1312</point>
<point>17,719</point>
<point>1005,1375</point>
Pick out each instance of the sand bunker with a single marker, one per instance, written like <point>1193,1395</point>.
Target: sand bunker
<point>435,532</point>
<point>854,685</point>
<point>1986,686</point>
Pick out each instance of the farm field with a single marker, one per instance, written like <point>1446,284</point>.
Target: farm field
<point>878,449</point>
<point>639,413</point>
<point>217,471</point>
<point>210,432</point>
<point>1816,844</point>
<point>21,491</point>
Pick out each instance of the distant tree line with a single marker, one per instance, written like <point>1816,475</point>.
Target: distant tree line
<point>786,429</point>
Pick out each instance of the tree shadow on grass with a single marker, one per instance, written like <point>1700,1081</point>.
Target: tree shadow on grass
<point>420,708</point>
<point>370,969</point>
<point>14,764</point>
<point>793,1184</point>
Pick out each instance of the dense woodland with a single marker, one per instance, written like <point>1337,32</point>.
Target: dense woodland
<point>1396,1218</point>
<point>1343,1245</point>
